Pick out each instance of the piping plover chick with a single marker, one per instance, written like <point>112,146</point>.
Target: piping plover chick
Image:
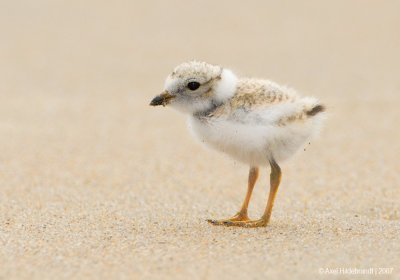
<point>255,121</point>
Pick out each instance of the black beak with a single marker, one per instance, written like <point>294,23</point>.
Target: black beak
<point>158,100</point>
<point>162,99</point>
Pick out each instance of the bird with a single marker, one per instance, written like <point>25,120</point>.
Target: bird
<point>255,121</point>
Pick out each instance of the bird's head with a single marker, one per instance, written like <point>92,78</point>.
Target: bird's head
<point>195,86</point>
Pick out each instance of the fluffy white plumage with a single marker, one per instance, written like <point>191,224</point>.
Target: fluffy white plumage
<point>226,87</point>
<point>255,121</point>
<point>251,133</point>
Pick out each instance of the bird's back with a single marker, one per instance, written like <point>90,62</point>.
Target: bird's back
<point>266,102</point>
<point>256,92</point>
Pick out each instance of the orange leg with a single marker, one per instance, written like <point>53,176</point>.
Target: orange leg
<point>242,214</point>
<point>275,179</point>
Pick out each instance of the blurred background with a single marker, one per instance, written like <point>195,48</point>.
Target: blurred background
<point>94,182</point>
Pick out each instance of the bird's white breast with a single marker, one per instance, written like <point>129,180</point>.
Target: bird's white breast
<point>253,138</point>
<point>243,142</point>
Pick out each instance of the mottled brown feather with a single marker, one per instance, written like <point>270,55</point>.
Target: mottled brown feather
<point>262,93</point>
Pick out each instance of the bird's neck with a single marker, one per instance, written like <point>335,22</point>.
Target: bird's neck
<point>207,111</point>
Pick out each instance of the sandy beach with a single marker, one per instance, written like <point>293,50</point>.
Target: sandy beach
<point>96,184</point>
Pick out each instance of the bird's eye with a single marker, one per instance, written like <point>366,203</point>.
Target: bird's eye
<point>193,85</point>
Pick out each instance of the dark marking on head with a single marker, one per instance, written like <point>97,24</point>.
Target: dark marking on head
<point>208,93</point>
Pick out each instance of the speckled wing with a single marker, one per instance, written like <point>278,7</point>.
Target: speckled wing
<point>260,93</point>
<point>265,102</point>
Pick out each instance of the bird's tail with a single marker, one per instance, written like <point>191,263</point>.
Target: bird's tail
<point>315,110</point>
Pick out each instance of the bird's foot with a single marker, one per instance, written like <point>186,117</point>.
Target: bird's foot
<point>246,223</point>
<point>239,217</point>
